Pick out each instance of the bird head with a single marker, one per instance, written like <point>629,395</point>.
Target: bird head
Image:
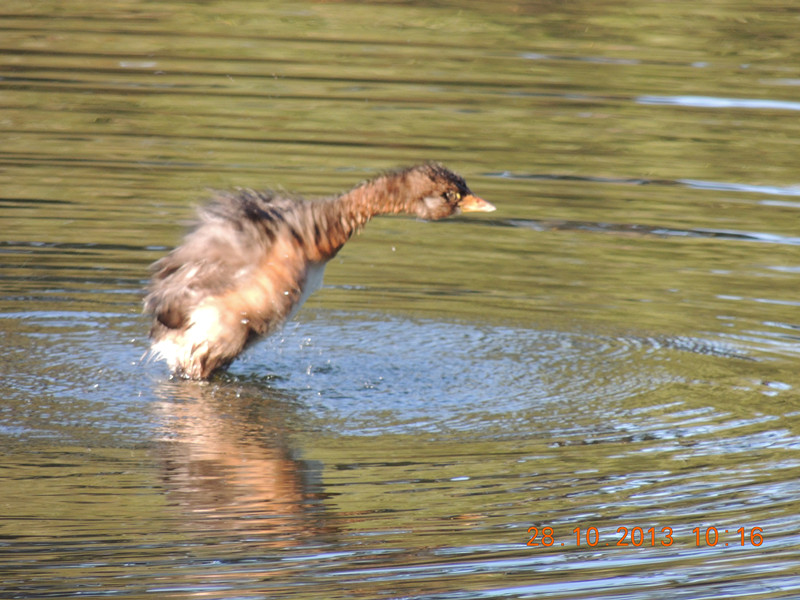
<point>440,193</point>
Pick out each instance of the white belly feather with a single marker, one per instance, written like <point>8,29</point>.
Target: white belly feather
<point>312,283</point>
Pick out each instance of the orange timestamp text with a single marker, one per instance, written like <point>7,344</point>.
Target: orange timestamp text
<point>650,537</point>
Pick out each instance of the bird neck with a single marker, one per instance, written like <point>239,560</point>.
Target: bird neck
<point>392,193</point>
<point>337,219</point>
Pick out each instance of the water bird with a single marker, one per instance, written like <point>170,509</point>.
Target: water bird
<point>254,257</point>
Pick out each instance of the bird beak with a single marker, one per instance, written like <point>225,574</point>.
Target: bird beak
<point>472,203</point>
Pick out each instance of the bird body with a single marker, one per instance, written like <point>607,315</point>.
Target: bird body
<point>255,257</point>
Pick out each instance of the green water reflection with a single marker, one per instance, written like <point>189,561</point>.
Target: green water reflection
<point>615,346</point>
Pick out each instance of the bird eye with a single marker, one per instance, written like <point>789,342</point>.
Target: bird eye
<point>451,196</point>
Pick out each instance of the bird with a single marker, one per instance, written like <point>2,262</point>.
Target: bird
<point>253,257</point>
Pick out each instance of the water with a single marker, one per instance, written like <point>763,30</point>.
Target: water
<point>614,348</point>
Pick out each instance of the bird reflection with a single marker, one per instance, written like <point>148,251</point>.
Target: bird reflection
<point>228,463</point>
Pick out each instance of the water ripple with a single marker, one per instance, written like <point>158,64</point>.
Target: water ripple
<point>629,228</point>
<point>721,186</point>
<point>716,102</point>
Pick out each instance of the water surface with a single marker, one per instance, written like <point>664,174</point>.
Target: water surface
<point>614,348</point>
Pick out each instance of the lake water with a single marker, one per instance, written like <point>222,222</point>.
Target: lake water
<point>592,392</point>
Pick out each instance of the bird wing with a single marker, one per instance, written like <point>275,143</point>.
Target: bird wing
<point>217,255</point>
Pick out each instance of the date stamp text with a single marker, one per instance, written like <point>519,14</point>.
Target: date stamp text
<point>649,537</point>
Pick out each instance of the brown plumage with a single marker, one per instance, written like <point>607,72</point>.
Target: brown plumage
<point>254,257</point>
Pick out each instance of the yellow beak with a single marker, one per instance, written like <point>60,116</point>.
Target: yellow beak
<point>474,204</point>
